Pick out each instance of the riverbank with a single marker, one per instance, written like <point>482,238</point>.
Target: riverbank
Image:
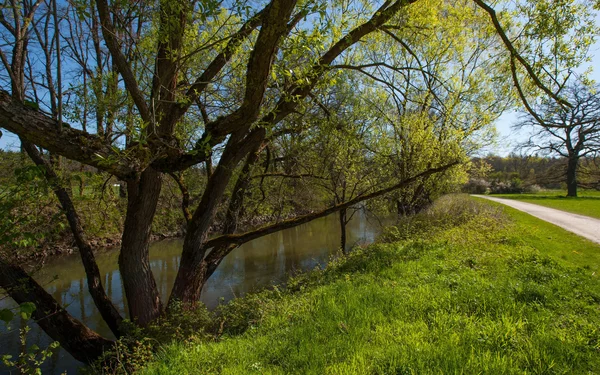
<point>64,244</point>
<point>34,230</point>
<point>467,287</point>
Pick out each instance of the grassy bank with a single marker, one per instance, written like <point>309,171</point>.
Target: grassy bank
<point>587,203</point>
<point>468,287</point>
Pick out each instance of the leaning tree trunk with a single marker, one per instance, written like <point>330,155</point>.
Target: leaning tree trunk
<point>572,166</point>
<point>142,295</point>
<point>105,306</point>
<point>197,275</point>
<point>77,339</point>
<point>232,217</point>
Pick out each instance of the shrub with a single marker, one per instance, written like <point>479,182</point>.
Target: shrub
<point>476,186</point>
<point>127,356</point>
<point>515,186</point>
<point>138,345</point>
<point>533,189</point>
<point>448,211</point>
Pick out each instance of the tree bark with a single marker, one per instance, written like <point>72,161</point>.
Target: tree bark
<point>142,295</point>
<point>105,306</point>
<point>39,129</point>
<point>81,342</point>
<point>572,166</point>
<point>192,270</point>
<point>232,217</point>
<point>343,221</point>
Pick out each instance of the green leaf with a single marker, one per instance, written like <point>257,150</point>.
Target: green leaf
<point>27,309</point>
<point>6,315</point>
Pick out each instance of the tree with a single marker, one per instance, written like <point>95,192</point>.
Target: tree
<point>555,51</point>
<point>571,132</point>
<point>204,82</point>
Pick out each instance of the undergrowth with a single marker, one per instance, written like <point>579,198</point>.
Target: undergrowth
<point>459,289</point>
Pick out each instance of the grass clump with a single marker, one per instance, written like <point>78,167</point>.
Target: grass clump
<point>471,293</point>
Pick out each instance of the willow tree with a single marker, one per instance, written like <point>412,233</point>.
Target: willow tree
<point>197,82</point>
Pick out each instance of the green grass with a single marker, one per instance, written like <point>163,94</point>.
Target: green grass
<point>486,290</point>
<point>564,246</point>
<point>587,203</point>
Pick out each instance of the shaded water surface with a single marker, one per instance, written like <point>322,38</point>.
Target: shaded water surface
<point>257,264</point>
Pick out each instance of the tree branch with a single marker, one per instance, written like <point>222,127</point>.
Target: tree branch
<point>285,106</point>
<point>110,37</point>
<point>74,144</point>
<point>274,26</point>
<point>185,196</point>
<point>514,53</point>
<point>217,64</point>
<point>242,238</point>
<point>533,113</point>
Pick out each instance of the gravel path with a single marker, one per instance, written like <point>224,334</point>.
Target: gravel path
<point>584,226</point>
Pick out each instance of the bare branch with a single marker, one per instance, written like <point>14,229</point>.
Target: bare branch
<point>110,37</point>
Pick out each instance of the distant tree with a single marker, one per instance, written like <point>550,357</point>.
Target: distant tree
<point>572,132</point>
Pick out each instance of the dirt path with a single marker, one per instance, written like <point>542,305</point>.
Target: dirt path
<point>584,226</point>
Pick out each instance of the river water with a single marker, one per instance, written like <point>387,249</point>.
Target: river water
<point>257,264</point>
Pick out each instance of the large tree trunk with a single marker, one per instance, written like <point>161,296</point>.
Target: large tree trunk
<point>232,218</point>
<point>108,311</point>
<point>81,342</point>
<point>572,165</point>
<point>142,295</point>
<point>193,268</point>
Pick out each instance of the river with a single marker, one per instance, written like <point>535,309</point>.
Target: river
<point>257,264</point>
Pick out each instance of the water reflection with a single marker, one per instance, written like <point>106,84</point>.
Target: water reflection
<point>257,264</point>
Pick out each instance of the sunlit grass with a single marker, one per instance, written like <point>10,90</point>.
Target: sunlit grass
<point>490,294</point>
